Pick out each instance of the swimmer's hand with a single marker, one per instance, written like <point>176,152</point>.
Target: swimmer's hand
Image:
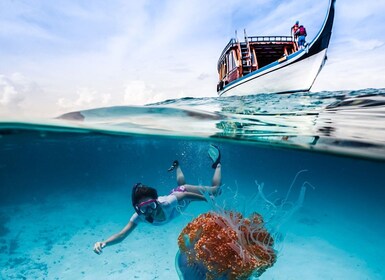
<point>98,247</point>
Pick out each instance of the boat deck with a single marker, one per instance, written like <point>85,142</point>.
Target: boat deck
<point>271,48</point>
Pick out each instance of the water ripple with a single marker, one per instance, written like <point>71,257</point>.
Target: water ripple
<point>345,122</point>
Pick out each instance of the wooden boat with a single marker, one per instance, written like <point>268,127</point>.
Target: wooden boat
<point>273,64</point>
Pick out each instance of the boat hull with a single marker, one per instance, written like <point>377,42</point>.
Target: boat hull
<point>289,76</point>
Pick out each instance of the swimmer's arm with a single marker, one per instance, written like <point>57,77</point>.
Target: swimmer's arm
<point>189,196</point>
<point>116,238</point>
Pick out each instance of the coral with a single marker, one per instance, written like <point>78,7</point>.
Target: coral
<point>228,245</point>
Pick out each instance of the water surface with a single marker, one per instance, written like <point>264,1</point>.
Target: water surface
<point>65,183</point>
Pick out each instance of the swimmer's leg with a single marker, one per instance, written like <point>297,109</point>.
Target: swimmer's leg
<point>217,178</point>
<point>215,186</point>
<point>180,176</point>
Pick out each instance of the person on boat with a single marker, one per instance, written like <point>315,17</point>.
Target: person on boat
<point>294,29</point>
<point>301,33</point>
<point>158,210</point>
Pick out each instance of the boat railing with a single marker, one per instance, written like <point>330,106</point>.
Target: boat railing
<point>232,42</point>
<point>270,39</point>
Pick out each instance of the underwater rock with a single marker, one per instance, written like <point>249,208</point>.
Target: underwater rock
<point>225,246</point>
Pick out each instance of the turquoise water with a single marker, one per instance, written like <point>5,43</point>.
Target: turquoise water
<point>66,183</point>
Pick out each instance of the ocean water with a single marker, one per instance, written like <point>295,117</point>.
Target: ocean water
<point>66,183</point>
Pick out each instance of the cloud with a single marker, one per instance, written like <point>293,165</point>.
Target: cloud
<point>135,92</point>
<point>369,45</point>
<point>9,95</point>
<point>203,76</point>
<point>84,98</point>
<point>139,93</point>
<point>345,71</point>
<point>18,94</point>
<point>15,89</point>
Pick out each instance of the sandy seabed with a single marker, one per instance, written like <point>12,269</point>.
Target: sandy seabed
<point>53,239</point>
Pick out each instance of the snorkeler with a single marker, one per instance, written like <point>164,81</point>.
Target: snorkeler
<point>158,210</point>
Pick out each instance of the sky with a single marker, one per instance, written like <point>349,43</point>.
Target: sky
<point>67,55</point>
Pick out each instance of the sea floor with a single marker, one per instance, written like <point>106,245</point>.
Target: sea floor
<point>53,238</point>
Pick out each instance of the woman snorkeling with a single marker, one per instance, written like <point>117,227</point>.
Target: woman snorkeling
<point>158,210</point>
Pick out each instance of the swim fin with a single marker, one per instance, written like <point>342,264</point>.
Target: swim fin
<point>215,155</point>
<point>173,166</point>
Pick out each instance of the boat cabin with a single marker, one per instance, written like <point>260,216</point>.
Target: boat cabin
<point>241,58</point>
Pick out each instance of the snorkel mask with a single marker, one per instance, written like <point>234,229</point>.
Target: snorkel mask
<point>145,207</point>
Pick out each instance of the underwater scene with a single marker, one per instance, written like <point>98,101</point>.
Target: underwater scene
<point>301,196</point>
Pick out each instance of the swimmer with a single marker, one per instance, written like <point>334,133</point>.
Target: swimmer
<point>158,210</point>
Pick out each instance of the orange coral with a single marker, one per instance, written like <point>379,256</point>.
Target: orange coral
<point>228,245</point>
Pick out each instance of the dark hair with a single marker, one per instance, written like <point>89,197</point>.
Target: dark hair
<point>140,191</point>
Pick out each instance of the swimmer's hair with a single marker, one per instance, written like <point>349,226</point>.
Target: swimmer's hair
<point>140,191</point>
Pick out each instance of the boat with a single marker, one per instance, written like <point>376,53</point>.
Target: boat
<point>273,64</point>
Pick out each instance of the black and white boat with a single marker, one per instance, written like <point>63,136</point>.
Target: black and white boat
<point>273,64</point>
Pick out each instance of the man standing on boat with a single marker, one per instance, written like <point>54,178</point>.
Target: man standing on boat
<point>301,33</point>
<point>294,29</point>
